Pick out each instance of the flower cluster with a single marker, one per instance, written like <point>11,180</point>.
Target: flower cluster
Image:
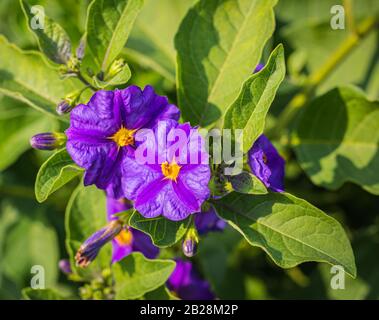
<point>169,177</point>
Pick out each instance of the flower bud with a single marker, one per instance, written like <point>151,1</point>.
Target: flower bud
<point>115,68</point>
<point>259,67</point>
<point>189,245</point>
<point>69,102</point>
<point>63,107</point>
<point>80,50</point>
<point>89,250</point>
<point>64,266</point>
<point>48,140</point>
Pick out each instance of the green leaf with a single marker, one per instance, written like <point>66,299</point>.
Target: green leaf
<point>56,171</point>
<point>219,44</point>
<point>337,140</point>
<point>26,77</point>
<point>162,293</point>
<point>120,78</point>
<point>248,183</point>
<point>136,275</point>
<point>30,241</point>
<point>85,214</point>
<point>163,232</point>
<point>108,26</point>
<point>18,123</point>
<point>248,112</point>
<point>52,38</point>
<point>151,43</point>
<point>289,229</point>
<point>217,263</point>
<point>41,294</point>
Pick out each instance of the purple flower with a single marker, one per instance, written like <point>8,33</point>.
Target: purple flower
<point>208,221</point>
<point>187,284</point>
<point>173,186</point>
<point>266,163</point>
<point>89,250</point>
<point>129,239</point>
<point>101,133</point>
<point>48,140</point>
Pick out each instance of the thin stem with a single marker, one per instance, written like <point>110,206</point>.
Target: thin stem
<point>348,5</point>
<point>316,78</point>
<point>81,78</point>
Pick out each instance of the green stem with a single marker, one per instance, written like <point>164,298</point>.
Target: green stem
<point>81,78</point>
<point>348,5</point>
<point>316,78</point>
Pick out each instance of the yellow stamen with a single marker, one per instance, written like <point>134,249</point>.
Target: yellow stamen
<point>264,157</point>
<point>124,238</point>
<point>124,137</point>
<point>170,170</point>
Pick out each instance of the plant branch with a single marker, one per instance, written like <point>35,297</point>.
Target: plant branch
<point>316,78</point>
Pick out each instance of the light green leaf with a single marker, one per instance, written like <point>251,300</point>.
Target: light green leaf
<point>151,43</point>
<point>108,26</point>
<point>120,78</point>
<point>337,140</point>
<point>52,38</point>
<point>136,275</point>
<point>248,112</point>
<point>56,171</point>
<point>162,231</point>
<point>248,183</point>
<point>289,229</point>
<point>18,123</point>
<point>41,294</point>
<point>219,44</point>
<point>26,77</point>
<point>85,214</point>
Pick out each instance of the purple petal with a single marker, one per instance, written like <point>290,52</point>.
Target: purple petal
<point>186,282</point>
<point>266,163</point>
<point>208,221</point>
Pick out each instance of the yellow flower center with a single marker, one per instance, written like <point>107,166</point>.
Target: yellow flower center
<point>124,137</point>
<point>170,170</point>
<point>124,238</point>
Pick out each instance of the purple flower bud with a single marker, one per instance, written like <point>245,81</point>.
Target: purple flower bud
<point>48,140</point>
<point>81,48</point>
<point>259,67</point>
<point>89,250</point>
<point>189,247</point>
<point>64,107</point>
<point>64,266</point>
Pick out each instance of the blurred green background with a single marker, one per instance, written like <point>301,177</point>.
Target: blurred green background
<point>32,233</point>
